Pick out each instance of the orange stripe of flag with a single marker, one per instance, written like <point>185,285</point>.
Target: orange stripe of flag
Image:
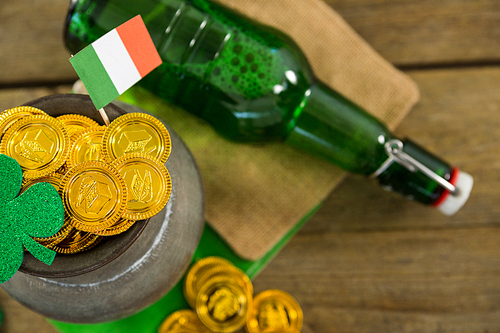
<point>139,45</point>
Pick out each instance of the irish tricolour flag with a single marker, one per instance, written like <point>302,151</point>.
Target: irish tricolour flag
<point>116,61</point>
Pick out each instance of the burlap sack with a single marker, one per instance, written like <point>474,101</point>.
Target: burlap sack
<point>256,194</point>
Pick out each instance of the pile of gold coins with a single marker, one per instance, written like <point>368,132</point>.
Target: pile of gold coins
<point>108,176</point>
<point>221,297</point>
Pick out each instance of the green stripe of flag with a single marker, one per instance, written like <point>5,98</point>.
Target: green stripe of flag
<point>97,81</point>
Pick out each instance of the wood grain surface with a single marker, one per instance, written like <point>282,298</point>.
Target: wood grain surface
<point>406,32</point>
<point>32,51</point>
<point>427,32</point>
<point>371,261</point>
<point>368,261</point>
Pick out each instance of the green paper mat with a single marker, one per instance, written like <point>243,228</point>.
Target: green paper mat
<point>149,319</point>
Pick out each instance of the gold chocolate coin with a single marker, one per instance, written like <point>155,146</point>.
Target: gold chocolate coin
<point>182,321</point>
<point>94,195</point>
<point>225,270</point>
<point>274,310</point>
<point>38,143</point>
<point>86,146</point>
<point>10,116</point>
<point>194,274</point>
<point>76,122</point>
<point>54,180</point>
<point>121,226</point>
<point>222,304</point>
<point>148,185</point>
<point>75,241</point>
<point>136,133</point>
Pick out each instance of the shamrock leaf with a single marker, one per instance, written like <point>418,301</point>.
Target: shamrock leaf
<point>37,212</point>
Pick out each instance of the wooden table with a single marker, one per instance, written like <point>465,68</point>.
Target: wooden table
<point>368,261</point>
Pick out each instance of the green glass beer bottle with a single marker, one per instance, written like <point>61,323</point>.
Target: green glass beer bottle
<point>252,83</point>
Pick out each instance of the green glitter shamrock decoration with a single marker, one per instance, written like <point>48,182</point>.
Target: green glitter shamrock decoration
<point>37,212</point>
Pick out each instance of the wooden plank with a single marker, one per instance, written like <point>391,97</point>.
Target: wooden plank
<point>10,98</point>
<point>404,32</point>
<point>31,37</point>
<point>435,280</point>
<point>408,32</point>
<point>18,319</point>
<point>370,261</point>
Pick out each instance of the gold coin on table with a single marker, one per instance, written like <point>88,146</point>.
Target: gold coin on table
<point>182,321</point>
<point>75,241</point>
<point>224,270</point>
<point>38,143</point>
<point>274,310</point>
<point>94,195</point>
<point>148,185</point>
<point>76,122</point>
<point>194,274</point>
<point>86,146</point>
<point>121,226</point>
<point>222,304</point>
<point>136,133</point>
<point>10,116</point>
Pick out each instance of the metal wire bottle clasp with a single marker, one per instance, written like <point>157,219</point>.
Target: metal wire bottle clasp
<point>394,149</point>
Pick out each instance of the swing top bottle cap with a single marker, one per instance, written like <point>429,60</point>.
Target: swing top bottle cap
<point>450,203</point>
<point>456,187</point>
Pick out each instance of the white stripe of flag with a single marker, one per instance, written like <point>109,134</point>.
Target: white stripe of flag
<point>117,61</point>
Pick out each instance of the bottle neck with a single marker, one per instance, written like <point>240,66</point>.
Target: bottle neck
<point>333,128</point>
<point>330,126</point>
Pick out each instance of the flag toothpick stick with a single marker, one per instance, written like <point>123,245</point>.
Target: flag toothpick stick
<point>104,116</point>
